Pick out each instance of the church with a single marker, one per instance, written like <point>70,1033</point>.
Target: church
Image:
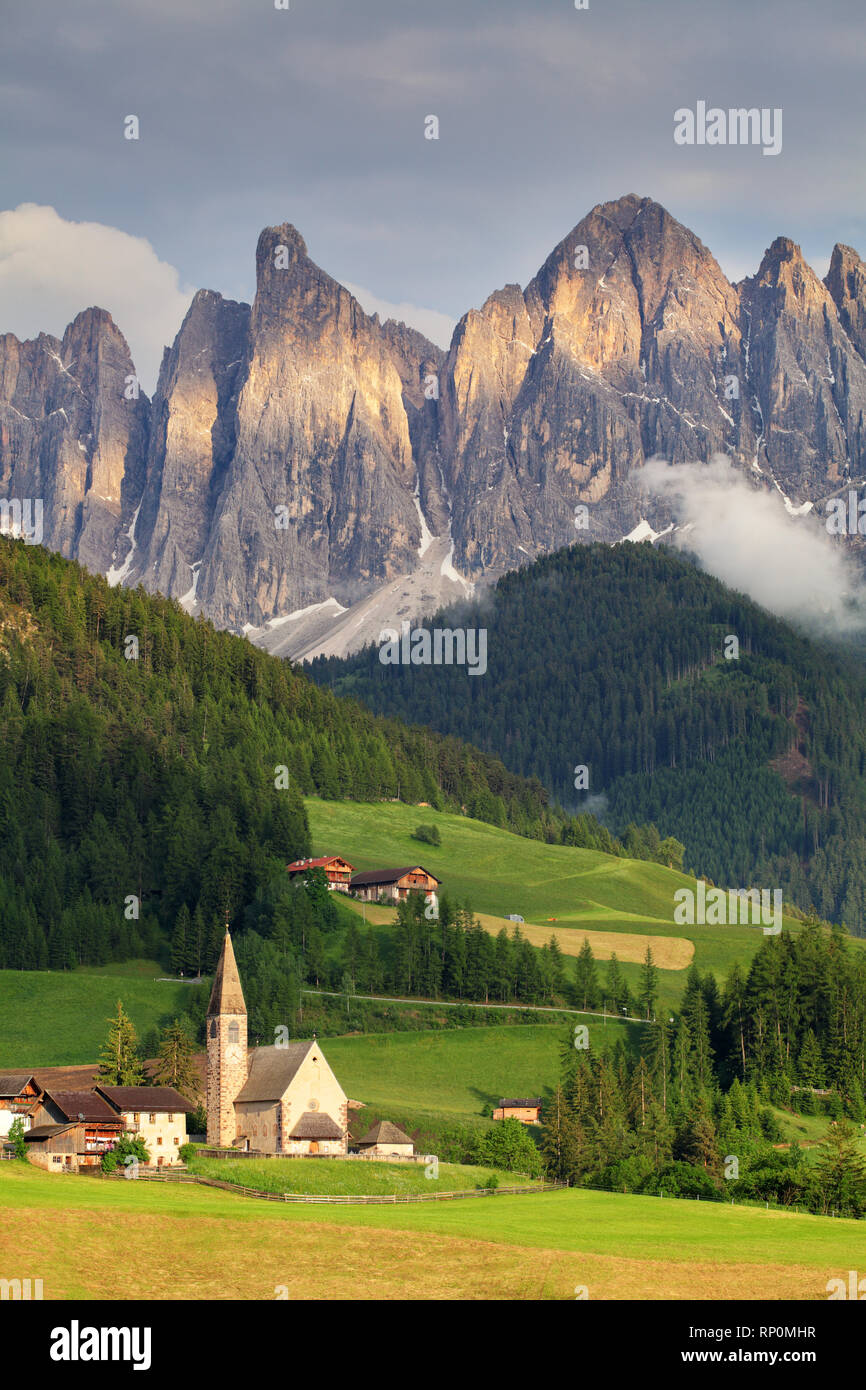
<point>275,1100</point>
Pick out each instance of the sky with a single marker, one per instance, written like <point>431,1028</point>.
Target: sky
<point>315,114</point>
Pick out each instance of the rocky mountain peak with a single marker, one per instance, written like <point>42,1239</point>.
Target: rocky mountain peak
<point>270,238</point>
<point>298,451</point>
<point>846,282</point>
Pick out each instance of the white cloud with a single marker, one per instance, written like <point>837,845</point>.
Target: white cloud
<point>435,326</point>
<point>746,537</point>
<point>51,269</point>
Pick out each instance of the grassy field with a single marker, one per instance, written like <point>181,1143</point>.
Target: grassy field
<point>455,1073</point>
<point>348,1177</point>
<point>669,952</point>
<point>57,1018</point>
<point>500,873</point>
<point>541,1246</point>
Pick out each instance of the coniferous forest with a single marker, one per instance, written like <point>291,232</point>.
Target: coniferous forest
<point>692,1115</point>
<point>613,659</point>
<point>154,772</point>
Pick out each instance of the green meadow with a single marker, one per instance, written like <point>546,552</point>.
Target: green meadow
<point>500,873</point>
<point>350,1178</point>
<point>555,1245</point>
<point>60,1018</point>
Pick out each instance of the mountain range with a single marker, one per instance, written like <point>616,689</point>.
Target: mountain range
<point>306,473</point>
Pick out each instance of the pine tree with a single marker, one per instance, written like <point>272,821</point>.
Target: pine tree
<point>840,1172</point>
<point>119,1062</point>
<point>648,985</point>
<point>698,1143</point>
<point>586,978</point>
<point>175,1066</point>
<point>617,989</point>
<point>180,940</point>
<point>557,967</point>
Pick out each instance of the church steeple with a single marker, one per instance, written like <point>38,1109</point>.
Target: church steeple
<point>226,996</point>
<point>226,1047</point>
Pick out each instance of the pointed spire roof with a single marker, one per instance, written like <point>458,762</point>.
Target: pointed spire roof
<point>226,996</point>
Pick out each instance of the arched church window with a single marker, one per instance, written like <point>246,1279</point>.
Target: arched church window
<point>234,1035</point>
<point>213,1028</point>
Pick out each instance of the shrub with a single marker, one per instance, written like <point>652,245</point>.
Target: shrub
<point>187,1152</point>
<point>428,834</point>
<point>16,1138</point>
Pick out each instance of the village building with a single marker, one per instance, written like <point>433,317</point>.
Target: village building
<point>72,1130</point>
<point>528,1111</point>
<point>19,1097</point>
<point>156,1113</point>
<point>396,884</point>
<point>278,1100</point>
<point>386,1140</point>
<point>337,871</point>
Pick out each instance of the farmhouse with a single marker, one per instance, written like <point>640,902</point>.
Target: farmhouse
<point>337,871</point>
<point>278,1100</point>
<point>156,1113</point>
<point>528,1111</point>
<point>72,1129</point>
<point>385,1140</point>
<point>395,884</point>
<point>19,1097</point>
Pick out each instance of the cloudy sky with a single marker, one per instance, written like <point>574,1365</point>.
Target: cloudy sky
<point>315,115</point>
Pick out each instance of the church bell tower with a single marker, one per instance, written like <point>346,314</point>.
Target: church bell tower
<point>226,1048</point>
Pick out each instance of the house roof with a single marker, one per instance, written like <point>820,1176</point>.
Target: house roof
<point>385,1133</point>
<point>273,1069</point>
<point>12,1083</point>
<point>163,1098</point>
<point>45,1131</point>
<point>83,1105</point>
<point>521,1104</point>
<point>226,996</point>
<point>388,875</point>
<point>314,1124</point>
<point>298,864</point>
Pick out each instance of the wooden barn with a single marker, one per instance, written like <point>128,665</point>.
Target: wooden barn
<point>337,871</point>
<point>395,884</point>
<point>72,1129</point>
<point>19,1098</point>
<point>386,1140</point>
<point>527,1111</point>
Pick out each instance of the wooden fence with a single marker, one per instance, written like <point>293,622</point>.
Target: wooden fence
<point>378,1200</point>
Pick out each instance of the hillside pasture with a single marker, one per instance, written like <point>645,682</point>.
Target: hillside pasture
<point>540,1246</point>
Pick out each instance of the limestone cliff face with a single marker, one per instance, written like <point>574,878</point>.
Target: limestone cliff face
<point>73,434</point>
<point>808,381</point>
<point>318,496</point>
<point>846,281</point>
<point>191,443</point>
<point>299,449</point>
<point>617,350</point>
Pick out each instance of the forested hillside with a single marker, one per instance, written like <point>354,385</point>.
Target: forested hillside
<point>154,768</point>
<point>614,658</point>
